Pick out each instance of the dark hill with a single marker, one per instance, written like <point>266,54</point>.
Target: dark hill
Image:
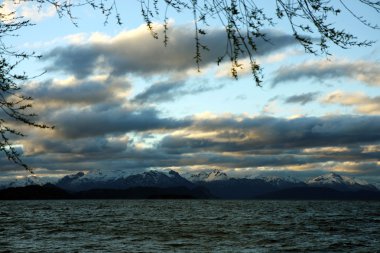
<point>34,192</point>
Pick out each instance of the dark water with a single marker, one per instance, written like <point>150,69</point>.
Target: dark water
<point>189,226</point>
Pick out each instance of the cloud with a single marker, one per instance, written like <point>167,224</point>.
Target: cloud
<point>160,92</point>
<point>94,147</point>
<point>302,99</point>
<point>28,10</point>
<point>367,72</point>
<point>355,167</point>
<point>361,102</point>
<point>125,54</point>
<point>81,92</point>
<point>266,133</point>
<point>93,107</point>
<point>326,150</point>
<point>224,69</point>
<point>96,121</point>
<point>271,107</point>
<point>170,90</point>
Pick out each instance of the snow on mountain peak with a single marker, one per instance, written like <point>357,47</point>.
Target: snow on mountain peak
<point>338,182</point>
<point>208,175</point>
<point>278,179</point>
<point>104,175</point>
<point>122,179</point>
<point>333,178</point>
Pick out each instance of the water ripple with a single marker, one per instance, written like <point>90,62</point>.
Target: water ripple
<point>189,226</point>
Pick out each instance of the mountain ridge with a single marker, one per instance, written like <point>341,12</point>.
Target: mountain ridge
<point>217,183</point>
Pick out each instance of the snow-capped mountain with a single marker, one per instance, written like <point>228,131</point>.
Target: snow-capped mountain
<point>276,180</point>
<point>121,179</point>
<point>157,179</point>
<point>207,176</point>
<point>93,176</point>
<point>248,187</point>
<point>342,183</point>
<point>215,181</point>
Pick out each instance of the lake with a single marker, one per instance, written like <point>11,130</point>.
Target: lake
<point>189,226</point>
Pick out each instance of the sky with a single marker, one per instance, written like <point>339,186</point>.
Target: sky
<point>120,99</point>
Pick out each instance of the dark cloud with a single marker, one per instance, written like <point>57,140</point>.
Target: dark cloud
<point>125,53</point>
<point>366,72</point>
<point>365,169</point>
<point>84,92</point>
<point>87,108</point>
<point>132,158</point>
<point>302,99</point>
<point>79,60</point>
<point>99,147</point>
<point>277,133</point>
<point>96,121</point>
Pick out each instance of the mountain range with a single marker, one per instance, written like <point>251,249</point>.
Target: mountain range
<point>206,184</point>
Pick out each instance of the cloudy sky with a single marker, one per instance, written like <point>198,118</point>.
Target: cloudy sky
<point>120,99</point>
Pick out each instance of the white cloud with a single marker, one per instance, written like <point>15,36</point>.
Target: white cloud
<point>29,10</point>
<point>358,100</point>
